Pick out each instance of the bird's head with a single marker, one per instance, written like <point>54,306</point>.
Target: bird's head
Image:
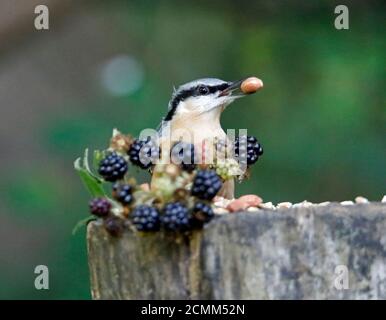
<point>206,98</point>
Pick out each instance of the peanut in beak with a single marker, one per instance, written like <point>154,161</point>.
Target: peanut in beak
<point>251,85</point>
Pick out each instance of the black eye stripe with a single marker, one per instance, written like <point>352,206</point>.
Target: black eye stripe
<point>219,87</point>
<point>202,90</point>
<point>193,92</point>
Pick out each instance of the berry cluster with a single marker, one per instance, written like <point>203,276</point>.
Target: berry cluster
<point>181,194</point>
<point>122,192</point>
<point>184,154</point>
<point>206,184</point>
<point>173,217</point>
<point>100,207</point>
<point>176,217</point>
<point>114,225</point>
<point>248,149</point>
<point>146,218</point>
<point>113,167</point>
<point>202,213</point>
<point>144,152</point>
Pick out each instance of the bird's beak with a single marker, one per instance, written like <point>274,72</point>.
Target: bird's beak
<point>242,87</point>
<point>234,87</point>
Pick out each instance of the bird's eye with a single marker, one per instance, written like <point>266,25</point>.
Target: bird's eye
<point>203,90</point>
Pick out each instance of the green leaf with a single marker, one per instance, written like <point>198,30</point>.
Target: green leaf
<point>87,166</point>
<point>85,161</point>
<point>92,183</point>
<point>98,156</point>
<point>82,223</point>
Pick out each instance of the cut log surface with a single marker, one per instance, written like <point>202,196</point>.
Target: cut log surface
<point>297,253</point>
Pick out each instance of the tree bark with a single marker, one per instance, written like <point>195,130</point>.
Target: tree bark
<point>297,253</point>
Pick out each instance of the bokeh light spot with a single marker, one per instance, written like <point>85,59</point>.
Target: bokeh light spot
<point>122,75</point>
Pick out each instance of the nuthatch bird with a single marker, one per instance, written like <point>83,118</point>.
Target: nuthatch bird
<point>195,110</point>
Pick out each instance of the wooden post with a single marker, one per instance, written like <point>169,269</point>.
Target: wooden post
<point>297,253</point>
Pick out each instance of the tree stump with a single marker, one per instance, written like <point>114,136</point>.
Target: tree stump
<point>295,253</point>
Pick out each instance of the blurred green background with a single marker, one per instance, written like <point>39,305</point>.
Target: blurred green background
<point>103,64</point>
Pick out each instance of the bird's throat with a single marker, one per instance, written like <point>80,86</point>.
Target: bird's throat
<point>196,129</point>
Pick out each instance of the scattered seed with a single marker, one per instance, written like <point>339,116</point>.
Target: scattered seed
<point>220,210</point>
<point>222,202</point>
<point>361,200</point>
<point>303,204</point>
<point>284,205</point>
<point>252,209</point>
<point>307,204</point>
<point>267,205</point>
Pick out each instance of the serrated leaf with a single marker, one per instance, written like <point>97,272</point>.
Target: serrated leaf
<point>93,184</point>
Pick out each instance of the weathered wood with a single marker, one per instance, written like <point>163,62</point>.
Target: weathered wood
<point>284,254</point>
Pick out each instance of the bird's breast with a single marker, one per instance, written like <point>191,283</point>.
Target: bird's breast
<point>202,134</point>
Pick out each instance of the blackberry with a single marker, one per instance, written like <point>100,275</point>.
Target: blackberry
<point>206,184</point>
<point>113,167</point>
<point>183,154</point>
<point>176,217</point>
<point>144,152</point>
<point>248,149</point>
<point>122,192</point>
<point>201,213</point>
<point>146,218</point>
<point>100,207</point>
<point>114,226</point>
